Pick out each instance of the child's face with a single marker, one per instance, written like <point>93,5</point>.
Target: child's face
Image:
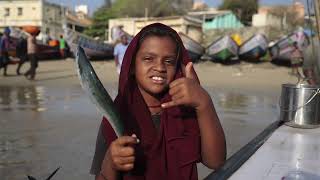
<point>155,65</point>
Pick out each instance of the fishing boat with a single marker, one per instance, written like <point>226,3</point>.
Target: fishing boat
<point>254,48</point>
<point>223,49</point>
<point>283,48</point>
<point>93,48</point>
<point>194,49</point>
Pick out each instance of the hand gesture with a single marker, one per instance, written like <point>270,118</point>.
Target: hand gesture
<point>187,91</point>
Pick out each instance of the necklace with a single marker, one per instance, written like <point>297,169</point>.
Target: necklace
<point>155,106</point>
<point>157,113</point>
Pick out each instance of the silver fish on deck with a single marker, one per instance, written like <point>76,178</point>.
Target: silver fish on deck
<point>97,93</point>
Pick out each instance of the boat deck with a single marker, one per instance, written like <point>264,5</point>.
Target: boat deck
<point>289,153</point>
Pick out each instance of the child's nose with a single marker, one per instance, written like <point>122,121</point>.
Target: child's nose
<point>160,66</point>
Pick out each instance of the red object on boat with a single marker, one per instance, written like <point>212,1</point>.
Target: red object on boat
<point>53,43</point>
<point>34,30</point>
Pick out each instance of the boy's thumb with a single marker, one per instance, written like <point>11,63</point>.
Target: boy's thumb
<point>189,72</point>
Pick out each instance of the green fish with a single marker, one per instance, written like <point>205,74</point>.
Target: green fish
<point>97,93</point>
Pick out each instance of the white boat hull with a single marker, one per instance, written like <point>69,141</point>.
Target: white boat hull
<point>288,153</point>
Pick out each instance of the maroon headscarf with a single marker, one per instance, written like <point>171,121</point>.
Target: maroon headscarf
<point>171,152</point>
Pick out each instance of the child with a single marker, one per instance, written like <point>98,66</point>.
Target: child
<point>170,120</point>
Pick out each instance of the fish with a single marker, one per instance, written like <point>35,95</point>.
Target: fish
<point>98,94</point>
<point>48,178</point>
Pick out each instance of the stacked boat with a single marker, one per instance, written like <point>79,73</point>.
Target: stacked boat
<point>283,48</point>
<point>194,48</point>
<point>254,48</point>
<point>223,49</point>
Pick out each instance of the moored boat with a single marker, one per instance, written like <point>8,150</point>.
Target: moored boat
<point>283,48</point>
<point>93,48</point>
<point>254,48</point>
<point>223,49</point>
<point>194,48</point>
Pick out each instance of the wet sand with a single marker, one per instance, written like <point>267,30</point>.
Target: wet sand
<point>50,122</point>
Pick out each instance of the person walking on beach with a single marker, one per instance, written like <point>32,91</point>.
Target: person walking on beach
<point>296,60</point>
<point>21,52</point>
<point>62,46</point>
<point>32,56</point>
<point>170,123</point>
<point>4,50</point>
<point>119,51</point>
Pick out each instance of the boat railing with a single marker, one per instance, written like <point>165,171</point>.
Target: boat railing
<point>241,156</point>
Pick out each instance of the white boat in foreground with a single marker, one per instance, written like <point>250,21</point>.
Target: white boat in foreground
<point>290,153</point>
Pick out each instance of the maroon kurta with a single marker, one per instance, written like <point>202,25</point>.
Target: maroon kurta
<point>173,151</point>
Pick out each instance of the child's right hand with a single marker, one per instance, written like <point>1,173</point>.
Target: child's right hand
<point>121,153</point>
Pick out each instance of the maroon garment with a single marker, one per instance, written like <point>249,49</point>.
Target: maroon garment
<point>173,151</point>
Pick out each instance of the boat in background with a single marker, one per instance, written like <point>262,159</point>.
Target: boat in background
<point>254,48</point>
<point>94,49</point>
<point>194,48</point>
<point>223,49</point>
<point>282,49</point>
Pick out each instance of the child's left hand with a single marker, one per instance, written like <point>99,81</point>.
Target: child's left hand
<point>187,91</point>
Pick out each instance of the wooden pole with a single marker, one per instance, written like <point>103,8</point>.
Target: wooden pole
<point>317,11</point>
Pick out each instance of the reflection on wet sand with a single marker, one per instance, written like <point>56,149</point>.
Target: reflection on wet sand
<point>22,98</point>
<point>34,142</point>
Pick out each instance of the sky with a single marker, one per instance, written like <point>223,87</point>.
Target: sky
<point>94,4</point>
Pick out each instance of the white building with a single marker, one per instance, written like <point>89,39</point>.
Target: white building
<point>48,16</point>
<point>82,8</point>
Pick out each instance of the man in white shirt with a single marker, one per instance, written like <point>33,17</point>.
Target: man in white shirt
<point>119,51</point>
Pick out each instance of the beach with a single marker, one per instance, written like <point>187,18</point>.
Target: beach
<point>50,122</point>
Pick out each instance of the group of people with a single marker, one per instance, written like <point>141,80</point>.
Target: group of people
<point>26,49</point>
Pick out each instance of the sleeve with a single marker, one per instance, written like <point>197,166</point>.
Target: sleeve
<point>116,50</point>
<point>101,149</point>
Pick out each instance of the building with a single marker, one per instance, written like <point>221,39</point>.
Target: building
<point>82,9</point>
<point>277,15</point>
<point>190,26</point>
<point>48,16</point>
<point>265,19</point>
<point>199,6</point>
<point>215,19</point>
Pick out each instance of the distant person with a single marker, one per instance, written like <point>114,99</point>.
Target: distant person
<point>4,50</point>
<point>32,56</point>
<point>119,51</point>
<point>62,46</point>
<point>21,52</point>
<point>310,56</point>
<point>296,60</point>
<point>116,33</point>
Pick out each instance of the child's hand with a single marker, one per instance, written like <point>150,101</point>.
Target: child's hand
<point>187,91</point>
<point>120,154</point>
